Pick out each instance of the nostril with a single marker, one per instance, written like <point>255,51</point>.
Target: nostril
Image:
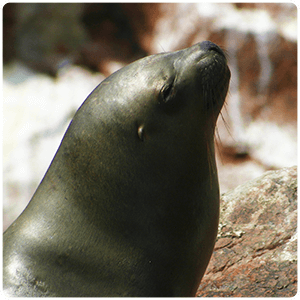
<point>208,46</point>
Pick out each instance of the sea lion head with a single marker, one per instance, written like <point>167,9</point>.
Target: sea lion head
<point>190,81</point>
<point>158,111</point>
<point>160,95</point>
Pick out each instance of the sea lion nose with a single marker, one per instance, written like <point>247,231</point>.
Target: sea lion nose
<point>208,46</point>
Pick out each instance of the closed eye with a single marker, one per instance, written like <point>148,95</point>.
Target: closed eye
<point>167,92</point>
<point>170,97</point>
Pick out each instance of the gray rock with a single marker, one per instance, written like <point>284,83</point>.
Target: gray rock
<point>256,250</point>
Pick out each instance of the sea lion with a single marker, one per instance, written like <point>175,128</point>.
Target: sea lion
<point>130,203</point>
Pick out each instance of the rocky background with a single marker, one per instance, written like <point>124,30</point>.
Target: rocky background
<point>56,54</point>
<point>256,249</point>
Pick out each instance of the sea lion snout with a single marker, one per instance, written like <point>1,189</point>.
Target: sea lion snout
<point>203,68</point>
<point>208,46</point>
<point>201,51</point>
<point>206,62</point>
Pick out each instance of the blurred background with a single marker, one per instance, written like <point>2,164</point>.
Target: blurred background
<point>55,54</point>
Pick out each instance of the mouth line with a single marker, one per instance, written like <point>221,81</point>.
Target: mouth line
<point>210,58</point>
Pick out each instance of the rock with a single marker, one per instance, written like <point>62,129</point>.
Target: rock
<point>256,250</point>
